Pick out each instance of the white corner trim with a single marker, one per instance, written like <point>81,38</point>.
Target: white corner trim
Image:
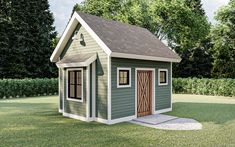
<point>109,89</point>
<point>159,70</point>
<point>87,92</point>
<point>63,73</point>
<point>171,84</point>
<point>93,90</point>
<point>143,57</point>
<point>67,97</point>
<point>153,88</point>
<point>59,83</point>
<point>123,119</point>
<point>123,86</point>
<point>78,64</point>
<point>163,111</point>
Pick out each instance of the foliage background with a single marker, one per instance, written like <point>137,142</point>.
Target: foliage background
<point>26,39</point>
<point>14,88</point>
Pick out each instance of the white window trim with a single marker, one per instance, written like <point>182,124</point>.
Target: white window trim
<point>159,70</point>
<point>123,86</point>
<point>67,77</point>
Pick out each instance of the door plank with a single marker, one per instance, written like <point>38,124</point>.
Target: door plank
<point>144,93</point>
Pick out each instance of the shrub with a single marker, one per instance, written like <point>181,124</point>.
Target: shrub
<point>222,87</point>
<point>12,88</point>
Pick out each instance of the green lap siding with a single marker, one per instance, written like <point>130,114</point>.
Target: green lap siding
<point>73,107</point>
<point>123,99</point>
<point>90,46</point>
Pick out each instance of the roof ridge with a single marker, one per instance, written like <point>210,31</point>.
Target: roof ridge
<point>111,20</point>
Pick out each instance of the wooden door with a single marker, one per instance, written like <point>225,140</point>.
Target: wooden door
<point>144,93</point>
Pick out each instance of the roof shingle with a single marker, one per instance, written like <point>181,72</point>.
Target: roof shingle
<point>126,38</point>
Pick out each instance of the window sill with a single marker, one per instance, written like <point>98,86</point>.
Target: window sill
<point>75,100</point>
<point>162,84</point>
<point>123,86</point>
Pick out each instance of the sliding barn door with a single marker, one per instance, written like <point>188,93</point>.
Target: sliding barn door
<point>144,93</point>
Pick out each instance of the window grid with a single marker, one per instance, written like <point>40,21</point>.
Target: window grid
<point>74,84</point>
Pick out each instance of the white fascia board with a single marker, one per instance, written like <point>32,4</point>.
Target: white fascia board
<point>142,57</point>
<point>64,39</point>
<point>93,34</point>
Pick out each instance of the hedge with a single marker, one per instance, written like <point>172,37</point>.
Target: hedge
<point>13,88</point>
<point>221,87</point>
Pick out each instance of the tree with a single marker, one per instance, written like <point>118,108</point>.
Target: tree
<point>223,35</point>
<point>27,27</point>
<point>196,6</point>
<point>179,24</point>
<point>196,59</point>
<point>196,62</point>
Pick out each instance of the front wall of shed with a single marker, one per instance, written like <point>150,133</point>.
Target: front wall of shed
<point>90,46</point>
<point>123,99</point>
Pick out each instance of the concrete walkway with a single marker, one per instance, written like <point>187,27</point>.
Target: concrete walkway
<point>167,122</point>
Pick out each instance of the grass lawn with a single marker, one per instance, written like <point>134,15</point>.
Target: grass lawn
<point>36,122</point>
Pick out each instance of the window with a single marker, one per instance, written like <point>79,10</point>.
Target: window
<point>75,84</point>
<point>162,76</point>
<point>123,77</point>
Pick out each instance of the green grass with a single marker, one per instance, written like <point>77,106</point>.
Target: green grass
<point>36,122</point>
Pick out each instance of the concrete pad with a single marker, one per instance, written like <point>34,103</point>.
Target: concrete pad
<point>180,124</point>
<point>154,119</point>
<point>166,122</point>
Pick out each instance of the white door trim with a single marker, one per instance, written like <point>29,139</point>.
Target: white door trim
<point>153,88</point>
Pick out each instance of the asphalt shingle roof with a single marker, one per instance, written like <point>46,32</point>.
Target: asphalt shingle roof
<point>126,38</point>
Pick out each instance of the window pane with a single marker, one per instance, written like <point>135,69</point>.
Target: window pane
<point>79,91</point>
<point>79,77</point>
<point>120,74</point>
<point>71,91</point>
<point>125,74</point>
<point>121,81</point>
<point>123,77</point>
<point>162,76</point>
<point>125,81</point>
<point>71,77</point>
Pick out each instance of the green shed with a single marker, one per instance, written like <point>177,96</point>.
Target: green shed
<point>112,72</point>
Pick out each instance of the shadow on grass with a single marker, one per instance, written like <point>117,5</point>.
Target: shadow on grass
<point>205,112</point>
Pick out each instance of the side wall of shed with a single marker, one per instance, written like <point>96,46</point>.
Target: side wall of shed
<point>123,99</point>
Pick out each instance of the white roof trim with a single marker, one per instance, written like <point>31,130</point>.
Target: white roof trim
<point>68,32</point>
<point>78,64</point>
<point>143,57</point>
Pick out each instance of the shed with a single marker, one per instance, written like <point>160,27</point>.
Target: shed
<point>112,72</point>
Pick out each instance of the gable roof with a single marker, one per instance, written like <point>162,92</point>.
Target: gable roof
<point>118,39</point>
<point>77,60</point>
